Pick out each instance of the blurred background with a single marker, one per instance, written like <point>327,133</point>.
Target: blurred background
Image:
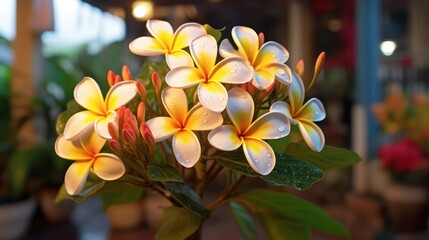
<point>374,86</point>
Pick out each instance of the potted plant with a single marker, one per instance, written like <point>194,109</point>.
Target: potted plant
<point>191,119</point>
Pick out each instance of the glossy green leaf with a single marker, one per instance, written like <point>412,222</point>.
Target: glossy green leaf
<point>263,202</point>
<point>282,229</point>
<point>177,223</point>
<point>121,196</point>
<point>188,198</point>
<point>164,173</point>
<point>244,221</point>
<point>216,33</point>
<point>289,171</point>
<point>328,158</point>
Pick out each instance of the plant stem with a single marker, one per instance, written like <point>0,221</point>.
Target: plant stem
<point>226,194</point>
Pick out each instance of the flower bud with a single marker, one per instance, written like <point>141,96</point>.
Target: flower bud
<point>118,79</point>
<point>300,68</point>
<point>126,73</point>
<point>147,136</point>
<point>141,89</point>
<point>113,130</point>
<point>120,115</point>
<point>261,38</point>
<point>128,135</point>
<point>115,146</point>
<point>111,78</point>
<point>141,110</point>
<point>156,81</point>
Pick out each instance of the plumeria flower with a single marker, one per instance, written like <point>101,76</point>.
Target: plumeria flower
<point>181,123</point>
<point>99,112</point>
<point>304,115</point>
<point>87,156</point>
<point>267,61</point>
<point>271,125</point>
<point>165,41</point>
<point>208,76</point>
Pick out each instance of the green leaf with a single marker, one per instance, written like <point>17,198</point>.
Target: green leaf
<point>216,33</point>
<point>122,196</point>
<point>328,158</point>
<point>264,202</point>
<point>289,171</point>
<point>177,223</point>
<point>188,198</point>
<point>283,229</point>
<point>164,173</point>
<point>244,220</point>
<point>19,167</point>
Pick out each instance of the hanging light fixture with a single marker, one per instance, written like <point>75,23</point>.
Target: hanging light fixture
<point>142,10</point>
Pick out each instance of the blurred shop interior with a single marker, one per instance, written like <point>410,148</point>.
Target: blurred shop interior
<point>375,76</point>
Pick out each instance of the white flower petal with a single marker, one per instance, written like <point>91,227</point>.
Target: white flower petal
<point>71,150</point>
<point>175,102</point>
<point>161,30</point>
<point>312,110</point>
<point>233,70</point>
<point>271,125</point>
<point>184,77</point>
<point>186,148</point>
<point>259,155</point>
<point>312,135</point>
<point>201,118</point>
<point>186,33</point>
<point>240,108</point>
<point>79,124</point>
<point>108,166</point>
<point>147,46</point>
<point>263,78</point>
<point>76,176</point>
<point>271,52</point>
<point>226,50</point>
<point>204,51</point>
<point>296,93</point>
<point>179,58</point>
<point>162,127</point>
<point>225,138</point>
<point>282,107</point>
<point>213,96</point>
<point>247,41</point>
<point>101,124</point>
<point>120,94</point>
<point>88,94</point>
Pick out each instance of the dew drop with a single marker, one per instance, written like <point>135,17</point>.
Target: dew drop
<point>202,44</point>
<point>240,69</point>
<point>220,98</point>
<point>233,70</point>
<point>205,113</point>
<point>256,160</point>
<point>281,72</point>
<point>269,164</point>
<point>269,155</point>
<point>274,56</point>
<point>187,161</point>
<point>205,121</point>
<point>281,128</point>
<point>78,95</point>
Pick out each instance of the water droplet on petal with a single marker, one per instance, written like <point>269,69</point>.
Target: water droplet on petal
<point>221,98</point>
<point>240,69</point>
<point>281,72</point>
<point>205,121</point>
<point>269,155</point>
<point>187,161</point>
<point>205,113</point>
<point>233,70</point>
<point>202,44</point>
<point>281,128</point>
<point>269,164</point>
<point>256,160</point>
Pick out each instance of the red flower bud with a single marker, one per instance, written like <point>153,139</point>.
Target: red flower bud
<point>156,81</point>
<point>118,79</point>
<point>115,145</point>
<point>141,89</point>
<point>126,73</point>
<point>141,112</point>
<point>111,78</point>
<point>128,135</point>
<point>120,112</point>
<point>300,68</point>
<point>261,38</point>
<point>147,136</point>
<point>113,130</point>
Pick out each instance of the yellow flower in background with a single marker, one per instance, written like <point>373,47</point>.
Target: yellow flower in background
<point>208,75</point>
<point>99,111</point>
<point>87,156</point>
<point>166,41</point>
<point>267,61</point>
<point>304,115</point>
<point>181,124</point>
<point>243,132</point>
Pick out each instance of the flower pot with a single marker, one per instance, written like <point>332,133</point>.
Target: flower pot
<point>406,207</point>
<point>15,218</point>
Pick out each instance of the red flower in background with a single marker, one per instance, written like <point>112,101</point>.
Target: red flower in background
<point>404,155</point>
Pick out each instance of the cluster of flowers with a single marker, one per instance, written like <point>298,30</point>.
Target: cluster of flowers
<point>228,97</point>
<point>404,122</point>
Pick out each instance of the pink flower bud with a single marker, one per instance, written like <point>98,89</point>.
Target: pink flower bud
<point>147,136</point>
<point>118,79</point>
<point>111,78</point>
<point>113,130</point>
<point>261,38</point>
<point>120,112</point>
<point>126,73</point>
<point>156,81</point>
<point>128,135</point>
<point>141,89</point>
<point>115,145</point>
<point>141,112</point>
